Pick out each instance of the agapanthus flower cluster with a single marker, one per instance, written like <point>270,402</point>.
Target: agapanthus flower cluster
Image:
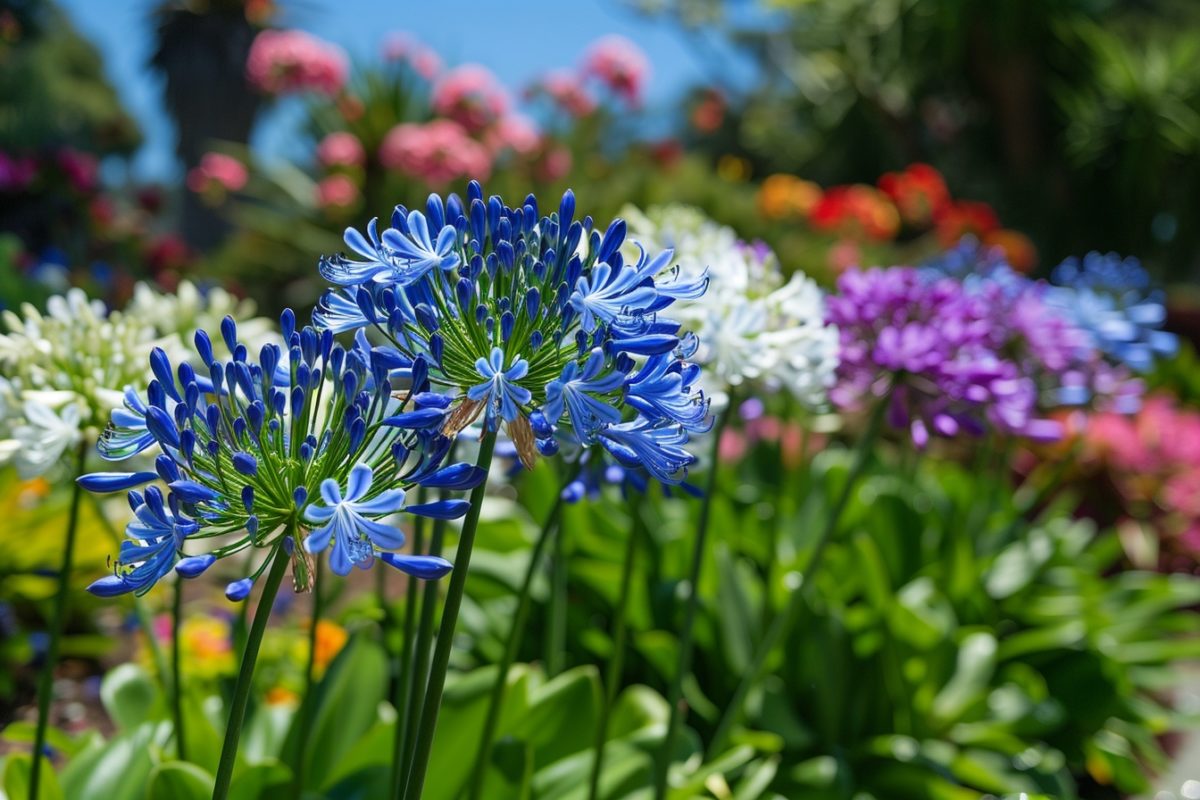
<point>756,328</point>
<point>536,326</point>
<point>190,308</point>
<point>930,347</point>
<point>62,371</point>
<point>254,448</point>
<point>1113,301</point>
<point>1086,344</point>
<point>286,61</point>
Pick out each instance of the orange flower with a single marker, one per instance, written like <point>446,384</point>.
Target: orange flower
<point>782,196</point>
<point>279,696</point>
<point>330,640</point>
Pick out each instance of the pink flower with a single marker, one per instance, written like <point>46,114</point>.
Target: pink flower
<point>620,65</point>
<point>341,149</point>
<point>471,96</point>
<point>281,62</point>
<point>337,191</point>
<point>80,169</point>
<point>217,171</point>
<point>555,164</point>
<point>567,91</point>
<point>436,152</point>
<point>513,132</point>
<point>405,47</point>
<point>16,172</point>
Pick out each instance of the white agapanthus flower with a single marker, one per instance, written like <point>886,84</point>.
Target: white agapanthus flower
<point>755,327</point>
<point>64,370</point>
<point>189,309</point>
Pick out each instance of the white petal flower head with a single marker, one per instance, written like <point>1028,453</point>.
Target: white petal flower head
<point>754,328</point>
<point>44,436</point>
<point>189,309</point>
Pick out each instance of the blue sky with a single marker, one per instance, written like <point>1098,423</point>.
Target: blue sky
<point>518,40</point>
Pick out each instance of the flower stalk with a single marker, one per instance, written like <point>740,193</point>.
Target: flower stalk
<point>616,661</point>
<point>177,671</point>
<point>782,623</point>
<point>61,599</point>
<point>445,639</point>
<point>245,679</point>
<point>699,550</point>
<point>512,643</point>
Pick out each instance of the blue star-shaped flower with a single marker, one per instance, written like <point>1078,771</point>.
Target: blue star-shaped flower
<point>356,537</point>
<point>500,389</point>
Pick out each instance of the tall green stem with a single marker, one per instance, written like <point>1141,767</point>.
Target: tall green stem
<point>556,640</point>
<point>308,703</point>
<point>783,622</point>
<point>245,678</point>
<point>684,665</point>
<point>402,690</point>
<point>617,659</point>
<point>61,597</point>
<point>177,670</point>
<point>418,676</point>
<point>445,639</point>
<point>512,644</point>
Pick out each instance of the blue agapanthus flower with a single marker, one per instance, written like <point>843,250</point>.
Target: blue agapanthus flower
<point>534,325</point>
<point>257,448</point>
<point>1112,298</point>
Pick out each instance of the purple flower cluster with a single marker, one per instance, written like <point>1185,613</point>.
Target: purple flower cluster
<point>977,351</point>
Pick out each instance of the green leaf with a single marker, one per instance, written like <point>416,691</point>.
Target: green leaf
<point>968,685</point>
<point>260,781</point>
<point>17,770</point>
<point>117,770</point>
<point>348,700</point>
<point>129,696</point>
<point>178,780</point>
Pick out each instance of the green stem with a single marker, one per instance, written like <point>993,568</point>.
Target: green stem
<point>308,703</point>
<point>177,669</point>
<point>617,659</point>
<point>422,649</point>
<point>684,665</point>
<point>58,621</point>
<point>445,639</point>
<point>245,678</point>
<point>403,669</point>
<point>556,640</point>
<point>512,644</point>
<point>783,622</point>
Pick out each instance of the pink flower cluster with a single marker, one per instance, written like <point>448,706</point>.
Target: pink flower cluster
<point>404,48</point>
<point>471,96</point>
<point>567,92</point>
<point>282,62</point>
<point>620,65</point>
<point>1153,460</point>
<point>341,149</point>
<point>217,172</point>
<point>437,152</point>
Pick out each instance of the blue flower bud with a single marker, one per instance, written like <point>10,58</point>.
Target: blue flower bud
<point>248,498</point>
<point>109,586</point>
<point>440,509</point>
<point>287,323</point>
<point>193,566</point>
<point>204,347</point>
<point>425,568</point>
<point>192,492</point>
<point>239,590</point>
<point>229,333</point>
<point>162,427</point>
<point>300,496</point>
<point>103,482</point>
<point>245,464</point>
